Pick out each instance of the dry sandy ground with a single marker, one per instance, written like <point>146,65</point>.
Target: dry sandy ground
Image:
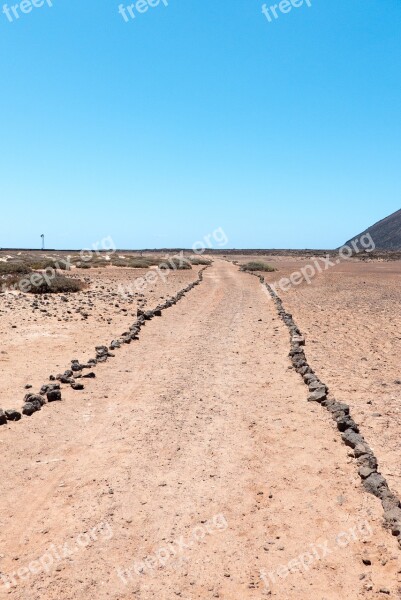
<point>41,341</point>
<point>350,315</point>
<point>195,451</point>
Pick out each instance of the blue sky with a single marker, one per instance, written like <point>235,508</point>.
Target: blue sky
<point>199,115</point>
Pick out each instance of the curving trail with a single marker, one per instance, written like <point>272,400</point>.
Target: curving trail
<point>195,448</point>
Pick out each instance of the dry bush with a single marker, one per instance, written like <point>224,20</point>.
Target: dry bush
<point>257,266</point>
<point>57,285</point>
<point>14,268</point>
<point>197,260</point>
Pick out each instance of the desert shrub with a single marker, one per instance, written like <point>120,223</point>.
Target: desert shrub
<point>142,262</point>
<point>14,268</point>
<point>57,285</point>
<point>198,260</point>
<point>257,266</point>
<point>176,263</point>
<point>47,263</point>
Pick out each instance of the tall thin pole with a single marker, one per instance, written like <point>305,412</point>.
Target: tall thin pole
<point>43,241</point>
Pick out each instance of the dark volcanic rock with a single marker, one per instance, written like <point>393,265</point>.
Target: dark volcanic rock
<point>318,395</point>
<point>345,422</point>
<point>77,386</point>
<point>35,398</point>
<point>53,395</point>
<point>28,409</point>
<point>352,439</point>
<point>49,387</point>
<point>13,415</point>
<point>375,484</point>
<point>3,417</point>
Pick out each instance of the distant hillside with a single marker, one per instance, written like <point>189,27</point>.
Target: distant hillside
<point>386,234</point>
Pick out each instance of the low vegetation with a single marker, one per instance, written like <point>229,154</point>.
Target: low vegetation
<point>10,268</point>
<point>57,285</point>
<point>199,260</point>
<point>258,266</point>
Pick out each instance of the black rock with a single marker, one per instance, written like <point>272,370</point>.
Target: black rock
<point>318,395</point>
<point>54,395</point>
<point>28,409</point>
<point>338,407</point>
<point>375,484</point>
<point>393,520</point>
<point>3,417</point>
<point>90,375</point>
<point>345,422</point>
<point>101,351</point>
<point>35,398</point>
<point>365,472</point>
<point>48,388</point>
<point>367,460</point>
<point>352,439</point>
<point>316,385</point>
<point>77,386</point>
<point>13,415</point>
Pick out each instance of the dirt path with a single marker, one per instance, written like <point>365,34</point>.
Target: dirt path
<point>193,450</point>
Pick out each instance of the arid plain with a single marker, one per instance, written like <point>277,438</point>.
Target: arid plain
<point>192,464</point>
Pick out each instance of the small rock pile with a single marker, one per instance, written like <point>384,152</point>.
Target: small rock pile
<point>51,392</point>
<point>366,461</point>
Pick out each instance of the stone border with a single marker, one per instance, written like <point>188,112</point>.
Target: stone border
<point>51,392</point>
<point>367,463</point>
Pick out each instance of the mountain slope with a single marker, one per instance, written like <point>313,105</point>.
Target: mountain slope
<point>386,234</point>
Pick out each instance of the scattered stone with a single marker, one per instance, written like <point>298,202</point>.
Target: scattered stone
<point>53,395</point>
<point>365,472</point>
<point>35,398</point>
<point>317,396</point>
<point>77,386</point>
<point>375,484</point>
<point>352,439</point>
<point>13,415</point>
<point>48,388</point>
<point>28,409</point>
<point>3,417</point>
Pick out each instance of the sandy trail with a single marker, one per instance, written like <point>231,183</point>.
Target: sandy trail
<point>195,447</point>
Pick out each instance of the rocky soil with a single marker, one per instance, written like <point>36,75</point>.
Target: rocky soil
<point>193,464</point>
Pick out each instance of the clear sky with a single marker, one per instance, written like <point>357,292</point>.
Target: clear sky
<point>198,115</point>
